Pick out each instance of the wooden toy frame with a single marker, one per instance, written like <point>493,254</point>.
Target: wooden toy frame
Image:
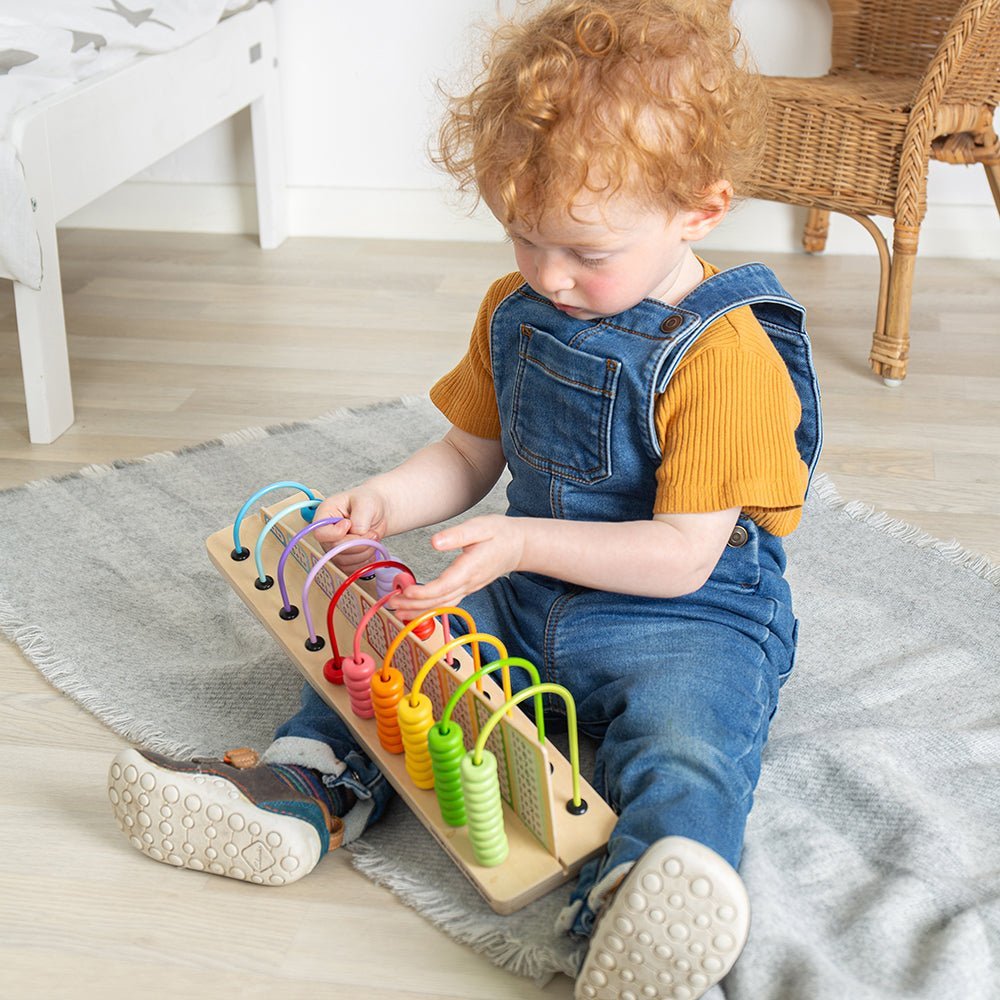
<point>548,844</point>
<point>81,142</point>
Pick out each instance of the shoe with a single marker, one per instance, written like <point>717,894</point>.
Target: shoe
<point>245,823</point>
<point>672,930</point>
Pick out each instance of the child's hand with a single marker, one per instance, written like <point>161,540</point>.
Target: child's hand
<point>363,516</point>
<point>491,547</point>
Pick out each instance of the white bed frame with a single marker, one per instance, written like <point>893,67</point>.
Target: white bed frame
<point>81,143</point>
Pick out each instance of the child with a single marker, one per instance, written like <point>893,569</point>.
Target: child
<point>660,422</point>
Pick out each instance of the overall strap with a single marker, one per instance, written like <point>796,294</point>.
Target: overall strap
<point>783,319</point>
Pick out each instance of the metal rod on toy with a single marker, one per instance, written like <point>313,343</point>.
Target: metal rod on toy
<point>577,805</point>
<point>357,670</point>
<point>239,553</point>
<point>481,783</point>
<point>446,743</point>
<point>333,668</point>
<point>416,713</point>
<point>263,581</point>
<point>313,643</point>
<point>388,684</point>
<point>469,639</point>
<point>413,625</point>
<point>505,662</point>
<point>289,611</point>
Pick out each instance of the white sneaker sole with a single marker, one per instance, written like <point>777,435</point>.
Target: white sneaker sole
<point>673,929</point>
<point>203,822</point>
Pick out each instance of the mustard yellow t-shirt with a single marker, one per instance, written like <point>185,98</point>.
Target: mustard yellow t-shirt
<point>726,422</point>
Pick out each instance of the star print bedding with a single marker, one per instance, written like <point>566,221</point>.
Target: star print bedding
<point>47,46</point>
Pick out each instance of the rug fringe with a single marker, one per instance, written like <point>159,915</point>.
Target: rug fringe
<point>64,675</point>
<point>244,436</point>
<point>332,415</point>
<point>951,551</point>
<point>534,962</point>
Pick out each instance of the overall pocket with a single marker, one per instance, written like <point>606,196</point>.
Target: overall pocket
<point>739,566</point>
<point>562,406</point>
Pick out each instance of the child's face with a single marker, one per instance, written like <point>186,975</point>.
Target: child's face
<point>606,259</point>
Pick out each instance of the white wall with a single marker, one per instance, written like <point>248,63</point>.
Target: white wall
<point>361,106</point>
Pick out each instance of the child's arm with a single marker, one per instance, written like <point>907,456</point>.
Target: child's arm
<point>667,556</point>
<point>437,482</point>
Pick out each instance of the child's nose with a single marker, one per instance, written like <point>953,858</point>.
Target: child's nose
<point>552,276</point>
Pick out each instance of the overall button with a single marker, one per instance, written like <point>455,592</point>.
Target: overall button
<point>671,323</point>
<point>739,537</point>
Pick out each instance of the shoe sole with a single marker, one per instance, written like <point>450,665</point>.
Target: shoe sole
<point>673,929</point>
<point>205,823</point>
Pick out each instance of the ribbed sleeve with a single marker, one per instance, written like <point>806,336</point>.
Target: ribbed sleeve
<point>466,395</point>
<point>727,428</point>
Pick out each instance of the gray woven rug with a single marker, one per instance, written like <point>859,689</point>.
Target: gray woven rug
<point>872,855</point>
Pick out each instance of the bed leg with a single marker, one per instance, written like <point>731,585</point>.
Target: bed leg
<point>41,331</point>
<point>269,166</point>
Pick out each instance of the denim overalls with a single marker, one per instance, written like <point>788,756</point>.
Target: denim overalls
<point>678,692</point>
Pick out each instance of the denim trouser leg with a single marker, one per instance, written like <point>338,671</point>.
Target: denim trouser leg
<point>680,753</point>
<point>679,695</point>
<point>676,760</point>
<point>682,712</point>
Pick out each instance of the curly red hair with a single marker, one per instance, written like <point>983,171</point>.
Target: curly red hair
<point>653,99</point>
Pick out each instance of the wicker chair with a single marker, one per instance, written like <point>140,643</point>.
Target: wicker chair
<point>910,80</point>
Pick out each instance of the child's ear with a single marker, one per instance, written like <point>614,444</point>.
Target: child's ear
<point>698,223</point>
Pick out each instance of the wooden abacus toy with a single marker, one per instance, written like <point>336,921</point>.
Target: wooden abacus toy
<point>512,812</point>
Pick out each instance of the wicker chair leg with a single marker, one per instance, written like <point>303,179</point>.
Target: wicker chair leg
<point>884,270</point>
<point>891,350</point>
<point>815,231</point>
<point>993,176</point>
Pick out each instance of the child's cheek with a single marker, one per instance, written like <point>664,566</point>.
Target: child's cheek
<point>599,286</point>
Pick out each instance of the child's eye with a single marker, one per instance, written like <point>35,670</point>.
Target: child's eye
<point>589,261</point>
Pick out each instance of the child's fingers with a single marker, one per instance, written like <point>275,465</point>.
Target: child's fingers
<point>454,584</point>
<point>359,553</point>
<point>480,563</point>
<point>367,515</point>
<point>332,507</point>
<point>458,536</point>
<point>412,608</point>
<point>329,534</point>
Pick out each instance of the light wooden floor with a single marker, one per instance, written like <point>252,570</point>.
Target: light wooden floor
<point>175,339</point>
